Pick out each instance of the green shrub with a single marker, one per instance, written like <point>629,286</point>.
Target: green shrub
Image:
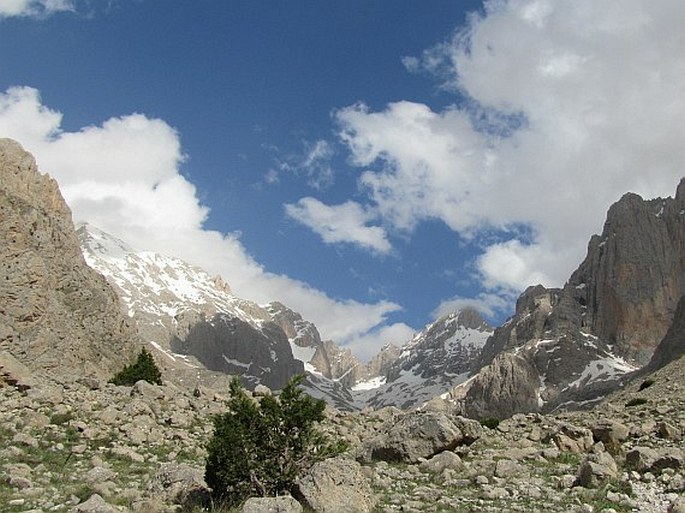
<point>143,368</point>
<point>261,448</point>
<point>490,422</point>
<point>636,401</point>
<point>646,384</point>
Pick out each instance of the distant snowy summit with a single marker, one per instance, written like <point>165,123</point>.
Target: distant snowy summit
<point>441,356</point>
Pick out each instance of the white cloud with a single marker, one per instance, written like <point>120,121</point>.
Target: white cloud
<point>123,176</point>
<point>347,222</point>
<point>314,164</point>
<point>367,346</point>
<point>488,304</point>
<point>570,105</point>
<point>37,8</point>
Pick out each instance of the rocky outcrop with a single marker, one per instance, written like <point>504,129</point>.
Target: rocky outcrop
<point>56,313</point>
<point>573,345</point>
<point>507,386</point>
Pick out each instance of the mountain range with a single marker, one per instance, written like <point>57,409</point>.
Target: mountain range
<point>78,298</point>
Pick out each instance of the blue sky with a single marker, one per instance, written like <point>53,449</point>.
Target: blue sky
<point>372,164</point>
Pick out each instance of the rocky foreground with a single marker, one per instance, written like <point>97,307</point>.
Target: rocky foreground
<point>89,446</point>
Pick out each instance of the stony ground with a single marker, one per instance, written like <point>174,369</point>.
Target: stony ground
<point>141,448</point>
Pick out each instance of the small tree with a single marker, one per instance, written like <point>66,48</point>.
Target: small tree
<point>143,368</point>
<point>261,448</point>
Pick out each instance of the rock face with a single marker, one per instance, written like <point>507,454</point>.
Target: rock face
<point>632,278</point>
<point>572,345</point>
<point>55,311</point>
<point>231,345</point>
<point>436,359</point>
<point>672,346</point>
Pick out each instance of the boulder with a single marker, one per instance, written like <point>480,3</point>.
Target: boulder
<point>442,461</point>
<point>569,438</point>
<point>15,373</point>
<point>416,435</point>
<point>335,485</point>
<point>95,504</point>
<point>611,434</point>
<point>596,469</point>
<point>283,504</point>
<point>180,484</point>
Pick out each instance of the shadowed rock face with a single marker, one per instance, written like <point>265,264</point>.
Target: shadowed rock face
<point>56,313</point>
<point>672,346</point>
<point>230,345</point>
<point>607,320</point>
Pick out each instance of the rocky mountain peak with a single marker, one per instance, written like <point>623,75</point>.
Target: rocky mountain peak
<point>632,278</point>
<point>471,318</point>
<point>576,343</point>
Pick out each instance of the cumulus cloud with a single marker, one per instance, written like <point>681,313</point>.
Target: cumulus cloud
<point>347,222</point>
<point>565,107</point>
<point>35,8</point>
<point>123,176</point>
<point>367,346</point>
<point>487,303</point>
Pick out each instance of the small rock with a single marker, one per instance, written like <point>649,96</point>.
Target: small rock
<point>596,469</point>
<point>668,431</point>
<point>95,504</point>
<point>442,461</point>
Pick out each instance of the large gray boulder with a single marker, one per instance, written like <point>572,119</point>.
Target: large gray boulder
<point>336,485</point>
<point>414,436</point>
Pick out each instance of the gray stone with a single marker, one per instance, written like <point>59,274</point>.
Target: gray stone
<point>336,485</point>
<point>180,484</point>
<point>612,434</point>
<point>15,373</point>
<point>415,435</point>
<point>282,504</point>
<point>570,438</point>
<point>95,504</point>
<point>596,469</point>
<point>147,391</point>
<point>442,461</point>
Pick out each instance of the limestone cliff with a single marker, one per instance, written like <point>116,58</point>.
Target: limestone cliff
<point>56,313</point>
<point>607,320</point>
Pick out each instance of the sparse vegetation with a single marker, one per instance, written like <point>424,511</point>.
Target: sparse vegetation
<point>636,401</point>
<point>260,448</point>
<point>646,384</point>
<point>490,422</point>
<point>144,368</point>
